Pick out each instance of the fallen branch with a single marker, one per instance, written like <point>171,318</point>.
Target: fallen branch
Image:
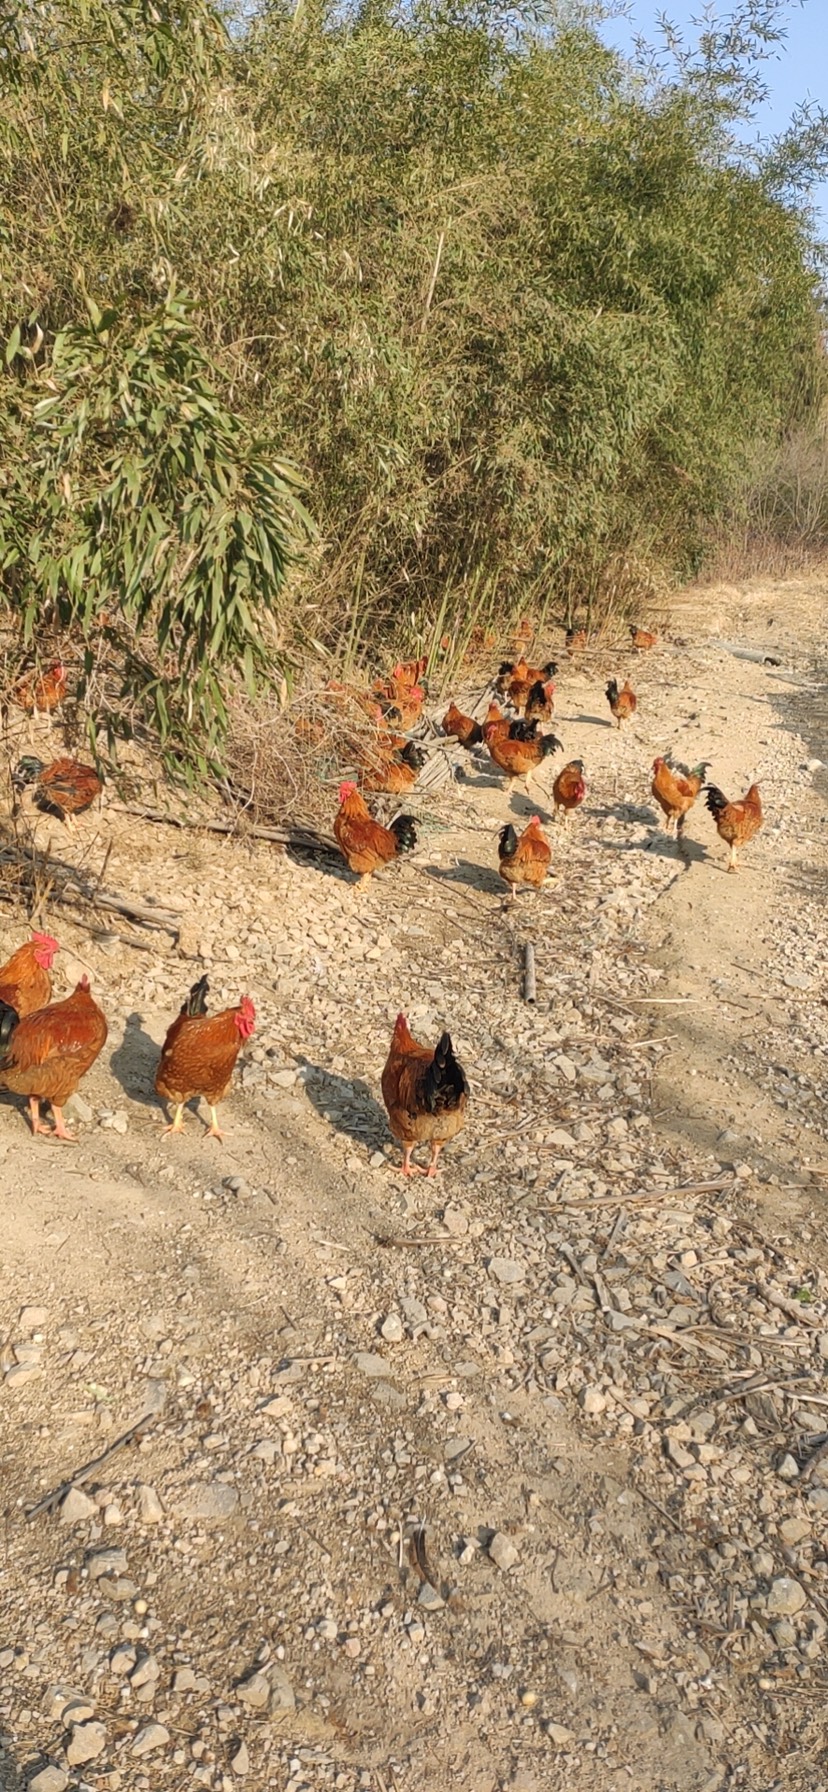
<point>307,839</point>
<point>52,1500</point>
<point>73,889</point>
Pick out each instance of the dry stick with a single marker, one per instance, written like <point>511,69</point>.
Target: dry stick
<point>387,1239</point>
<point>433,281</point>
<point>305,838</point>
<point>530,993</point>
<point>53,1499</point>
<point>655,1194</point>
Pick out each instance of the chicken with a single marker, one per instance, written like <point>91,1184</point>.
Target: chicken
<point>569,788</point>
<point>407,673</point>
<point>522,751</point>
<point>403,705</point>
<point>675,789</point>
<point>736,823</point>
<point>462,728</point>
<point>46,1053</point>
<point>576,638</point>
<point>496,723</point>
<point>507,670</point>
<point>524,861</point>
<point>40,693</point>
<point>425,1093</point>
<point>399,770</point>
<point>540,702</point>
<point>25,984</point>
<point>65,788</point>
<point>363,842</point>
<point>524,679</point>
<point>199,1054</point>
<point>641,639</point>
<point>623,703</point>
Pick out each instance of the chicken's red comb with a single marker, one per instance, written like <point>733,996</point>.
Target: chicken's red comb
<point>45,939</point>
<point>534,821</point>
<point>347,789</point>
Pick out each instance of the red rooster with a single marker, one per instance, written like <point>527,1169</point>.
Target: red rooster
<point>45,1055</point>
<point>199,1054</point>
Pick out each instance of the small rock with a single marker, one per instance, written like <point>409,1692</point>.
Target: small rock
<point>566,1068</point>
<point>106,1561</point>
<point>149,1738</point>
<point>267,1450</point>
<point>503,1552</point>
<point>49,1779</point>
<point>429,1598</point>
<point>559,1734</point>
<point>77,1108</point>
<point>369,1363</point>
<point>784,1634</point>
<point>328,1629</point>
<point>184,1680</point>
<point>506,1270</point>
<point>122,1660</point>
<point>210,1499</point>
<point>456,1447</point>
<point>282,1695</point>
<point>77,1507</point>
<point>255,1691</point>
<point>20,1374</point>
<point>86,1743</point>
<point>147,1670</point>
<point>792,1530</point>
<point>119,1588</point>
<point>818,1498</point>
<point>150,1509</point>
<point>788,1469</point>
<point>78,1711</point>
<point>113,1514</point>
<point>31,1319</point>
<point>240,1759</point>
<point>456,1221</point>
<point>786,1597</point>
<point>392,1329</point>
<point>678,1455</point>
<point>593,1401</point>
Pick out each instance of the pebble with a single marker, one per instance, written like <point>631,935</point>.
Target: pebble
<point>392,1329</point>
<point>77,1507</point>
<point>429,1598</point>
<point>369,1363</point>
<point>786,1597</point>
<point>209,1499</point>
<point>32,1319</point>
<point>282,1696</point>
<point>788,1469</point>
<point>593,1401</point>
<point>20,1374</point>
<point>184,1680</point>
<point>49,1779</point>
<point>106,1561</point>
<point>255,1691</point>
<point>503,1552</point>
<point>240,1759</point>
<point>506,1270</point>
<point>149,1738</point>
<point>150,1509</point>
<point>86,1743</point>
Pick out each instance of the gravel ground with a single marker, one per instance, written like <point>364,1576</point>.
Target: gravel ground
<point>510,1480</point>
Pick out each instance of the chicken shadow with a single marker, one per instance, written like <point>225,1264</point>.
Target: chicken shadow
<point>524,806</point>
<point>475,877</point>
<point>628,812</point>
<point>484,780</point>
<point>593,721</point>
<point>663,846</point>
<point>346,1104</point>
<point>133,1063</point>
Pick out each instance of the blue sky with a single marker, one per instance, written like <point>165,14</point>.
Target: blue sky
<point>797,70</point>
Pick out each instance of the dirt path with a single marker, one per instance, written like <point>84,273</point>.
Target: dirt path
<point>601,1398</point>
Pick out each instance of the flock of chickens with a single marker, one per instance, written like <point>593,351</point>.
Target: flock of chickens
<point>47,1047</point>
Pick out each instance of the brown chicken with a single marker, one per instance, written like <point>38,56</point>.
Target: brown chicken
<point>736,823</point>
<point>363,842</point>
<point>45,1055</point>
<point>496,723</point>
<point>623,703</point>
<point>65,788</point>
<point>25,984</point>
<point>641,639</point>
<point>523,680</point>
<point>540,703</point>
<point>40,693</point>
<point>576,639</point>
<point>463,729</point>
<point>524,862</point>
<point>398,771</point>
<point>199,1055</point>
<point>675,789</point>
<point>425,1092</point>
<point>569,788</point>
<point>403,705</point>
<point>522,751</point>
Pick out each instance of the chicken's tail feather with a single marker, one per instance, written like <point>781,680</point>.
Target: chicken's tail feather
<point>507,844</point>
<point>550,744</point>
<point>9,1019</point>
<point>196,1002</point>
<point>715,799</point>
<point>445,1081</point>
<point>404,830</point>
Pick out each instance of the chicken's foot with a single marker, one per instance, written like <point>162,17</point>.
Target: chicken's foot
<point>436,1148</point>
<point>177,1122</point>
<point>215,1131</point>
<point>408,1168</point>
<point>34,1115</point>
<point>66,1138</point>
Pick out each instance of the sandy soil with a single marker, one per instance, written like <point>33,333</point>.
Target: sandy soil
<point>602,1398</point>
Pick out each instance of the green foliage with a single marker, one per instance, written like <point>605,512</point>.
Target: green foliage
<point>522,314</point>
